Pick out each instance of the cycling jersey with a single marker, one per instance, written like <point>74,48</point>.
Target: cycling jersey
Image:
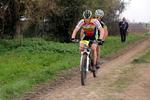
<point>89,29</point>
<point>103,26</point>
<point>103,23</point>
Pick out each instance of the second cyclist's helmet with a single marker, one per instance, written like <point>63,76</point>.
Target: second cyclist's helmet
<point>99,12</point>
<point>87,14</point>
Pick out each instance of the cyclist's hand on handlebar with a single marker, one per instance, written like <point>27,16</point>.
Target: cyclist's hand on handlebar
<point>73,40</point>
<point>100,41</point>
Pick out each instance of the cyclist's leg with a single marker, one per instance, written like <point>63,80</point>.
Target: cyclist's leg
<point>98,54</point>
<point>94,53</point>
<point>81,47</point>
<point>94,50</point>
<point>98,50</point>
<point>98,57</point>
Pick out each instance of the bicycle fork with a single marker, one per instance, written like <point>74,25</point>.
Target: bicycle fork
<point>87,60</point>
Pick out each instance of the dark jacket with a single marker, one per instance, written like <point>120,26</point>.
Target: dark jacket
<point>123,25</point>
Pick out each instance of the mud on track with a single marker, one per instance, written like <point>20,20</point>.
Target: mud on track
<point>105,86</point>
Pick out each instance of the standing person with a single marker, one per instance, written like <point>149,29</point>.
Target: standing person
<point>123,25</point>
<point>89,25</point>
<point>99,15</point>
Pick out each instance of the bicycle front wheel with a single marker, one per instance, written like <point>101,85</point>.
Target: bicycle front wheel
<point>83,69</point>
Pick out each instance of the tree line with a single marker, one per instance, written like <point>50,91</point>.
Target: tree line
<point>53,20</point>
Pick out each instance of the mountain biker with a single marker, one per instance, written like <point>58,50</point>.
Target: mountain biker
<point>98,15</point>
<point>89,25</point>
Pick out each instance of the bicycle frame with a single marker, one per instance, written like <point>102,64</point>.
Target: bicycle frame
<point>87,52</point>
<point>85,62</point>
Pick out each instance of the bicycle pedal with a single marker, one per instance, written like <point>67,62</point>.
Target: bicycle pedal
<point>84,70</point>
<point>90,68</point>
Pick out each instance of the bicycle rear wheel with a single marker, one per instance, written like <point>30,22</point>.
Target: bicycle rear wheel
<point>83,69</point>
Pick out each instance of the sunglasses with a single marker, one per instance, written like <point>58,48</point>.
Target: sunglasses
<point>98,17</point>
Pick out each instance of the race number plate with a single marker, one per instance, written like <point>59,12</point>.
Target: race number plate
<point>85,42</point>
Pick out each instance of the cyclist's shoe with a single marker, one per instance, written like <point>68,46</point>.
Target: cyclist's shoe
<point>97,65</point>
<point>94,68</point>
<point>90,68</point>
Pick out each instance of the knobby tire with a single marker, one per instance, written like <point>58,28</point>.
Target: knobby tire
<point>83,69</point>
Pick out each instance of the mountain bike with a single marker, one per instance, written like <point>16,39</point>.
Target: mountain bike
<point>86,63</point>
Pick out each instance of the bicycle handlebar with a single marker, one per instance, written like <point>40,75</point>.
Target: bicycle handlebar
<point>91,41</point>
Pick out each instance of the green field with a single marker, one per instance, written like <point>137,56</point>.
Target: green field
<point>38,61</point>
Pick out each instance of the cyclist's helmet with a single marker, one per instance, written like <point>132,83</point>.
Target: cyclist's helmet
<point>87,14</point>
<point>99,12</point>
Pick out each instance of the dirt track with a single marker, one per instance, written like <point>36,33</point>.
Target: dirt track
<point>106,86</point>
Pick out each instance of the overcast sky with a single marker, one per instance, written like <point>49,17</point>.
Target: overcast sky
<point>137,11</point>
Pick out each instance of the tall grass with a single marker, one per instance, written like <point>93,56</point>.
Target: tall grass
<point>36,61</point>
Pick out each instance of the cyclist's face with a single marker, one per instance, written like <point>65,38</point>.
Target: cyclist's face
<point>98,17</point>
<point>87,20</point>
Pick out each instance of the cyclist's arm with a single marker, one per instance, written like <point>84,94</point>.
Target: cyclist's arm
<point>75,32</point>
<point>99,27</point>
<point>106,33</point>
<point>77,28</point>
<point>102,33</point>
<point>82,32</point>
<point>105,29</point>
